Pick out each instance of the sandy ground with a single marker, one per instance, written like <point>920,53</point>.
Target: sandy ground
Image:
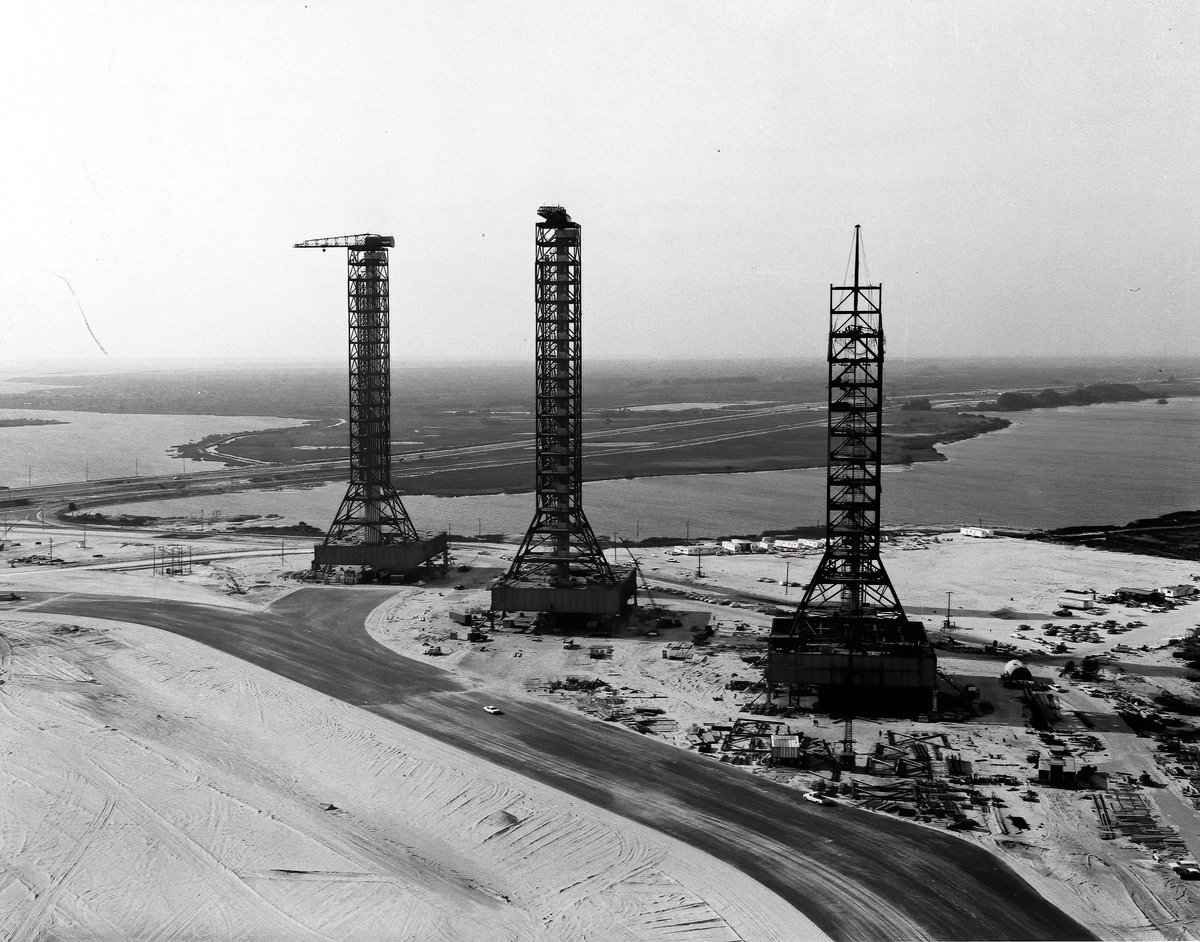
<point>227,771</point>
<point>208,568</point>
<point>157,789</point>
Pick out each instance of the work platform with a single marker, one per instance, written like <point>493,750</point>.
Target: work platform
<point>384,558</point>
<point>581,598</point>
<point>877,677</point>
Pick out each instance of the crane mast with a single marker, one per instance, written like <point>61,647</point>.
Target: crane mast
<point>371,513</point>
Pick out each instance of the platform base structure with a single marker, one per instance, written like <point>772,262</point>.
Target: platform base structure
<point>385,560</point>
<point>857,666</point>
<point>571,605</point>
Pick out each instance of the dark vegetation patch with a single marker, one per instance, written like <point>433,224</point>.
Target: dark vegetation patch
<point>21,423</point>
<point>296,529</point>
<point>1174,536</point>
<point>1079,396</point>
<point>111,520</point>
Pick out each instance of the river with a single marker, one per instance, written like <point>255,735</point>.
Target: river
<point>1107,463</point>
<point>92,445</point>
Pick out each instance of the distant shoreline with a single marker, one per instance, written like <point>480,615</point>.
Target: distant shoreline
<point>908,438</point>
<point>23,423</point>
<point>1173,535</point>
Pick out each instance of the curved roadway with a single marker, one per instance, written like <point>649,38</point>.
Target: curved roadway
<point>856,875</point>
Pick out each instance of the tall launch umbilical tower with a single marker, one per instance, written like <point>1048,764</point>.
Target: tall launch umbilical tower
<point>560,566</point>
<point>850,636</point>
<point>850,578</point>
<point>371,527</point>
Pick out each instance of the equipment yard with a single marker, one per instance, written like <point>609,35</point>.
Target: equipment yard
<point>978,773</point>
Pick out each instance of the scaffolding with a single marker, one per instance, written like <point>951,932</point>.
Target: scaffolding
<point>850,635</point>
<point>850,577</point>
<point>371,512</point>
<point>559,565</point>
<point>172,560</point>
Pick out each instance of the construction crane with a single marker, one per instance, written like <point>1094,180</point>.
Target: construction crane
<point>637,568</point>
<point>366,240</point>
<point>371,513</point>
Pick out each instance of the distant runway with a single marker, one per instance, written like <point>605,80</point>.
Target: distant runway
<point>857,875</point>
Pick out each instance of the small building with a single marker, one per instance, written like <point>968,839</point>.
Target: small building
<point>519,623</point>
<point>600,651</point>
<point>1015,673</point>
<point>1181,591</point>
<point>785,750</point>
<point>981,533</point>
<point>697,549</point>
<point>736,546</point>
<point>797,544</point>
<point>1127,594</point>
<point>765,545</point>
<point>1075,602</point>
<point>1059,770</point>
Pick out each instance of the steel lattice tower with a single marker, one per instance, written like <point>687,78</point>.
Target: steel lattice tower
<point>850,638</point>
<point>850,579</point>
<point>371,513</point>
<point>559,543</point>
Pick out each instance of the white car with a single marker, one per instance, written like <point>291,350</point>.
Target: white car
<point>816,799</point>
<point>492,709</point>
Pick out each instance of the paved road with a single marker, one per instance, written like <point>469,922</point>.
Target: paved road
<point>856,875</point>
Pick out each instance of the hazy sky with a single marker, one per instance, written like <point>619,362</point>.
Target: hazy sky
<point>1025,173</point>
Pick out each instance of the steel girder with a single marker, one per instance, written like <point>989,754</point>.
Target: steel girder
<point>851,579</point>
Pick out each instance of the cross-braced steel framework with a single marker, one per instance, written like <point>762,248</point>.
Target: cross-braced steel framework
<point>371,513</point>
<point>850,637</point>
<point>850,580</point>
<point>560,543</point>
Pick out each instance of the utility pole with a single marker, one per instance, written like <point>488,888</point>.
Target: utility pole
<point>135,468</point>
<point>687,529</point>
<point>787,575</point>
